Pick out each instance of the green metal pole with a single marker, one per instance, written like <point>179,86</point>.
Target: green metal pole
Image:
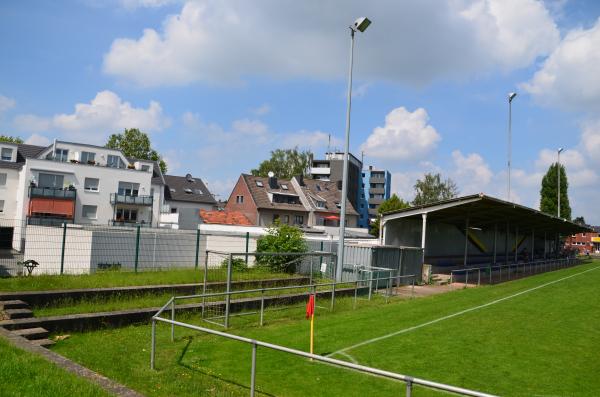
<point>197,248</point>
<point>321,258</point>
<point>137,248</point>
<point>247,245</point>
<point>62,252</point>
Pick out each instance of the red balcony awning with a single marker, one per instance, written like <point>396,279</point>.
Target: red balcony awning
<point>51,206</point>
<point>332,218</point>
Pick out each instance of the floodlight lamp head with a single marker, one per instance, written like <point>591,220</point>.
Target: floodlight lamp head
<point>361,24</point>
<point>511,96</point>
<point>560,150</point>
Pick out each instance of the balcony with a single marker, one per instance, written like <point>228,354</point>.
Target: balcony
<point>47,221</point>
<point>116,198</point>
<point>376,179</point>
<point>320,171</point>
<point>130,223</point>
<point>376,190</point>
<point>52,193</point>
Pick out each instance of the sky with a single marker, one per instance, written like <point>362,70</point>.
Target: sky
<point>219,84</point>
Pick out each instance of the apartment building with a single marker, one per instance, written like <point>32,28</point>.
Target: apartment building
<point>185,197</point>
<point>86,184</point>
<point>332,169</point>
<point>299,201</point>
<point>584,242</point>
<point>375,188</point>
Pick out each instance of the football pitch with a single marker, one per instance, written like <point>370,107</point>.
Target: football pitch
<point>537,336</point>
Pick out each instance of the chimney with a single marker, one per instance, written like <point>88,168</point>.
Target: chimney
<point>273,182</point>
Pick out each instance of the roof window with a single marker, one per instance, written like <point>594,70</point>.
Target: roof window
<point>188,190</point>
<point>284,186</point>
<point>259,184</point>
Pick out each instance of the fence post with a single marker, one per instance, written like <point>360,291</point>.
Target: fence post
<point>228,296</point>
<point>253,373</point>
<point>197,249</point>
<point>408,388</point>
<point>204,281</point>
<point>333,295</point>
<point>137,248</point>
<point>355,294</point>
<point>247,245</point>
<point>62,251</point>
<point>262,306</point>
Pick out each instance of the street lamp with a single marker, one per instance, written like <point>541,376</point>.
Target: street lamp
<point>558,177</point>
<point>360,25</point>
<point>511,96</point>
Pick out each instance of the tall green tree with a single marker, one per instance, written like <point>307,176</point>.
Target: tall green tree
<point>284,163</point>
<point>11,139</point>
<point>549,192</point>
<point>432,188</point>
<point>392,204</point>
<point>580,220</point>
<point>134,143</point>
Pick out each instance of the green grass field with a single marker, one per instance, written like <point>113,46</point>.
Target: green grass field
<point>27,375</point>
<point>537,336</point>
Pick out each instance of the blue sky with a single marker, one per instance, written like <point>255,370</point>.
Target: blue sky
<point>218,84</point>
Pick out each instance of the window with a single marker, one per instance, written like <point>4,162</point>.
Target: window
<point>275,217</point>
<point>284,186</point>
<point>188,190</point>
<point>114,161</point>
<point>51,180</point>
<point>338,205</point>
<point>298,219</point>
<point>91,184</point>
<point>7,154</point>
<point>145,168</point>
<point>286,219</point>
<point>88,157</point>
<point>2,179</point>
<point>172,190</point>
<point>318,188</point>
<point>129,189</point>
<point>259,184</point>
<point>1,206</point>
<point>198,191</point>
<point>320,204</point>
<point>125,214</point>
<point>173,210</point>
<point>239,199</point>
<point>61,154</point>
<point>89,211</point>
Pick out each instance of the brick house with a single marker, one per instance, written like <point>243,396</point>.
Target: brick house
<point>584,242</point>
<point>299,201</point>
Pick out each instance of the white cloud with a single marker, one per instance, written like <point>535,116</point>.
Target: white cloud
<point>569,77</point>
<point>134,4</point>
<point>471,172</point>
<point>405,136</point>
<point>262,110</point>
<point>590,140</point>
<point>6,103</point>
<point>414,42</point>
<point>92,122</point>
<point>37,139</point>
<point>312,140</point>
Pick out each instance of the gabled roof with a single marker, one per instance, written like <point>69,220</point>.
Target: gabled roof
<point>24,152</point>
<point>225,218</point>
<point>179,188</point>
<point>318,190</point>
<point>486,211</point>
<point>260,194</point>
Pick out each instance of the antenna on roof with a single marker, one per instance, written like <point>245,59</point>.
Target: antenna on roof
<point>189,178</point>
<point>329,144</point>
<point>271,174</point>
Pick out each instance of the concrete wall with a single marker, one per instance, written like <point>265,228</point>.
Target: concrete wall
<point>8,193</point>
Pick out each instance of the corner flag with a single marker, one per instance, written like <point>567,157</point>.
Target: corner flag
<point>310,313</point>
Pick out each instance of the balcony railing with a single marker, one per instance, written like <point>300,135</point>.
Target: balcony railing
<point>47,221</point>
<point>130,223</point>
<point>116,198</point>
<point>52,192</point>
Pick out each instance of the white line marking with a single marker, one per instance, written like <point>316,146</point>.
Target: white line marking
<point>402,331</point>
<point>349,357</point>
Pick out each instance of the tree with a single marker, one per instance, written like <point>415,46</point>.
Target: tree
<point>134,143</point>
<point>281,237</point>
<point>284,163</point>
<point>549,192</point>
<point>432,188</point>
<point>11,139</point>
<point>579,220</point>
<point>391,204</point>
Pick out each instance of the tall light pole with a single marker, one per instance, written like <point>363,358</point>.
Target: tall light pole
<point>511,96</point>
<point>360,25</point>
<point>558,177</point>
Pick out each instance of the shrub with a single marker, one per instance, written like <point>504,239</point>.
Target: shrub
<point>238,264</point>
<point>281,238</point>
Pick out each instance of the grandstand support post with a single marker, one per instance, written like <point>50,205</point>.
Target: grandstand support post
<point>478,277</point>
<point>137,248</point>
<point>516,244</point>
<point>532,246</point>
<point>495,242</point>
<point>423,234</point>
<point>253,370</point>
<point>247,245</point>
<point>228,296</point>
<point>197,248</point>
<point>545,245</point>
<point>412,288</point>
<point>506,243</point>
<point>466,241</point>
<point>153,344</point>
<point>62,250</point>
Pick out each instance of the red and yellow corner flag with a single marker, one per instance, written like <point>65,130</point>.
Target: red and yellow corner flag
<point>310,313</point>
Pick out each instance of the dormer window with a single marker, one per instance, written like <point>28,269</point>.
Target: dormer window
<point>114,161</point>
<point>88,157</point>
<point>318,188</point>
<point>284,186</point>
<point>338,205</point>
<point>61,154</point>
<point>7,154</point>
<point>320,204</point>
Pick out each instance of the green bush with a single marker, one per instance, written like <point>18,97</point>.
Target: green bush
<point>281,238</point>
<point>238,264</point>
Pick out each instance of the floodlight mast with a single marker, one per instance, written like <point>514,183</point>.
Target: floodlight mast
<point>559,151</point>
<point>360,25</point>
<point>511,96</point>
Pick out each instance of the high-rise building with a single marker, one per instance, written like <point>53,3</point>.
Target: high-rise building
<point>332,168</point>
<point>375,188</point>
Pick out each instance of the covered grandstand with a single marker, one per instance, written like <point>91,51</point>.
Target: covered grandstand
<point>477,230</point>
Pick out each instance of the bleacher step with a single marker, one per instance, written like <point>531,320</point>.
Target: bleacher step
<point>43,342</point>
<point>13,304</point>
<point>32,333</point>
<point>18,313</point>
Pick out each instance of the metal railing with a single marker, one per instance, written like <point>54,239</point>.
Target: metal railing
<point>485,274</point>
<point>52,192</point>
<point>48,221</point>
<point>116,198</point>
<point>408,380</point>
